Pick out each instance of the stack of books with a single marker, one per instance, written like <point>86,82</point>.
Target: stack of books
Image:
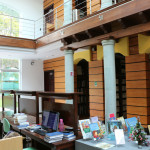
<point>69,135</point>
<point>53,137</point>
<point>20,118</point>
<point>33,127</point>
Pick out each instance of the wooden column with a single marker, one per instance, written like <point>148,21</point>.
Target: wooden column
<point>138,87</point>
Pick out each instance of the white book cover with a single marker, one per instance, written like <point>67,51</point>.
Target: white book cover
<point>85,128</point>
<point>119,135</point>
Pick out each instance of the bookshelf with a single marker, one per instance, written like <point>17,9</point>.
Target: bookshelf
<point>121,86</point>
<point>83,86</point>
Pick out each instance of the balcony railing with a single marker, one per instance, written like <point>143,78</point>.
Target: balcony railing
<point>66,13</point>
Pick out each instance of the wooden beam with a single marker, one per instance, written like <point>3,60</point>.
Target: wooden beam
<point>88,34</point>
<point>103,28</point>
<point>117,34</point>
<point>123,23</point>
<point>17,42</point>
<point>75,38</point>
<point>126,8</point>
<point>64,41</point>
<point>143,17</point>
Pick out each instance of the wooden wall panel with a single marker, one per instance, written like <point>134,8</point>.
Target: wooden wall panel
<point>96,89</point>
<point>138,85</point>
<point>95,6</point>
<point>133,45</point>
<point>57,64</point>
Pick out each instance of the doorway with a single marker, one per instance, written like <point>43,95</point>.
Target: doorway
<point>121,85</point>
<point>49,87</point>
<point>83,86</point>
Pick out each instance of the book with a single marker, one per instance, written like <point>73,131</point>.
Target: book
<point>54,135</point>
<point>68,134</point>
<point>112,116</point>
<point>85,128</point>
<point>123,123</point>
<point>97,134</point>
<point>70,137</point>
<point>52,141</point>
<point>33,127</point>
<point>22,126</point>
<point>94,119</point>
<point>114,124</point>
<point>119,135</point>
<point>103,145</point>
<point>149,128</point>
<point>131,121</point>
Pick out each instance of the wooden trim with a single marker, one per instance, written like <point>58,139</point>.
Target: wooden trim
<point>17,42</point>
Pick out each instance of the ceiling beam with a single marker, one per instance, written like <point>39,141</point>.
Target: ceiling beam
<point>143,17</point>
<point>117,34</point>
<point>88,34</point>
<point>75,38</point>
<point>123,23</point>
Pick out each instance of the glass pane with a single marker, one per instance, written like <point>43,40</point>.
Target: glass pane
<point>0,80</point>
<point>10,81</point>
<point>10,64</point>
<point>0,63</point>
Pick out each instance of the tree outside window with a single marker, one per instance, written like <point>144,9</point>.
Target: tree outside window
<point>9,22</point>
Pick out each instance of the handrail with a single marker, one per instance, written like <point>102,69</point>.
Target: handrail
<point>33,29</point>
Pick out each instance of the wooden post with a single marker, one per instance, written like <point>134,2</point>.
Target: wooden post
<point>37,108</point>
<point>15,103</point>
<point>2,102</point>
<point>75,105</point>
<point>18,103</point>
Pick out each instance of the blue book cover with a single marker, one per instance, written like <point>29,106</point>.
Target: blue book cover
<point>131,121</point>
<point>53,134</point>
<point>68,134</point>
<point>22,126</point>
<point>94,126</point>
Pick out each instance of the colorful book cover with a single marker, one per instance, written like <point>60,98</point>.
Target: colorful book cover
<point>97,134</point>
<point>123,123</point>
<point>131,121</point>
<point>112,116</point>
<point>114,124</point>
<point>94,119</point>
<point>149,128</point>
<point>85,128</point>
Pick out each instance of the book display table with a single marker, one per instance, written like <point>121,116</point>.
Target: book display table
<point>90,145</point>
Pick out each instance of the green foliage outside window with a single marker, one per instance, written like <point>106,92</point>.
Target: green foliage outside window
<point>9,26</point>
<point>9,74</point>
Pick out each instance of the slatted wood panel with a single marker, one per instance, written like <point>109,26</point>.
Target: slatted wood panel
<point>95,5</point>
<point>96,89</point>
<point>58,65</point>
<point>47,3</point>
<point>138,87</point>
<point>133,45</point>
<point>93,55</point>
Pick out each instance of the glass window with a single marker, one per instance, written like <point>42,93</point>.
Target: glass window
<point>9,74</point>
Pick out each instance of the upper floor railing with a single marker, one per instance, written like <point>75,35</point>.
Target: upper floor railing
<point>56,17</point>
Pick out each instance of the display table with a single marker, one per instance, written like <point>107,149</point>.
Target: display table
<point>90,145</point>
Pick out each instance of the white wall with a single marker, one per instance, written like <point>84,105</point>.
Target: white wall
<point>28,9</point>
<point>32,78</point>
<point>32,75</point>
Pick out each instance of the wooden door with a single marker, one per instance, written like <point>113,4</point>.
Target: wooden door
<point>49,87</point>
